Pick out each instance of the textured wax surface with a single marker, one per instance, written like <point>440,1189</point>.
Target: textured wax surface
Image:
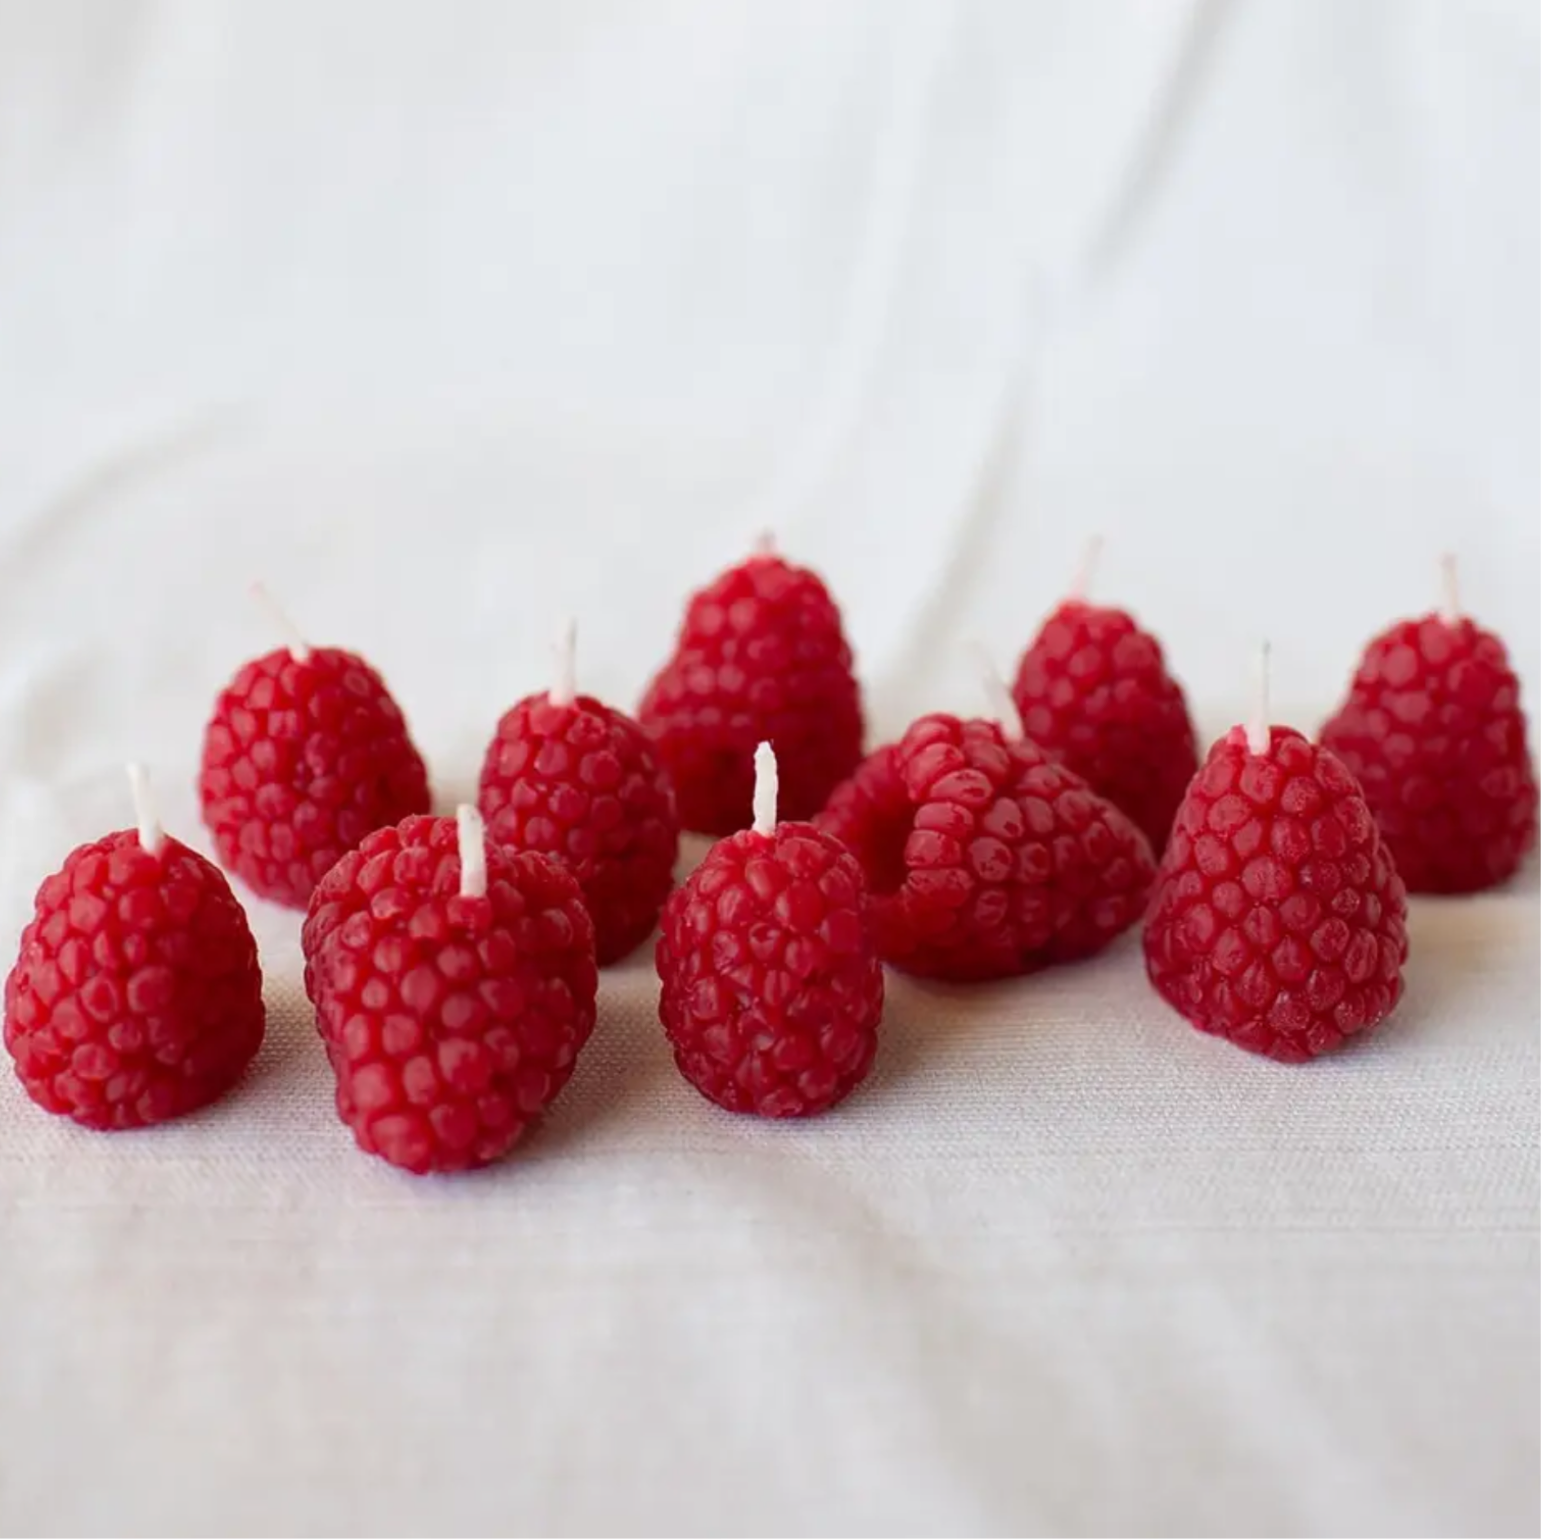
<point>1093,691</point>
<point>450,1022</point>
<point>1433,729</point>
<point>136,996</point>
<point>1278,919</point>
<point>455,322</point>
<point>582,783</point>
<point>985,857</point>
<point>300,761</point>
<point>760,657</point>
<point>772,989</point>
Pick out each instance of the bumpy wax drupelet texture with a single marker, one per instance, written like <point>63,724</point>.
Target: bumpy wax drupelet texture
<point>1432,728</point>
<point>772,987</point>
<point>137,995</point>
<point>452,1002</point>
<point>760,657</point>
<point>985,857</point>
<point>1278,919</point>
<point>573,779</point>
<point>305,754</point>
<point>1094,692</point>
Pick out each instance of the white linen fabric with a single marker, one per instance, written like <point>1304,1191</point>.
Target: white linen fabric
<point>453,320</point>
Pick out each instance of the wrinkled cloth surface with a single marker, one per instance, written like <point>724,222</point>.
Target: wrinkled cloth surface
<point>453,321</point>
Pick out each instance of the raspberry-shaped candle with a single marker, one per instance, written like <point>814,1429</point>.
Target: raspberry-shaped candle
<point>985,857</point>
<point>1432,726</point>
<point>573,779</point>
<point>305,754</point>
<point>1094,692</point>
<point>136,996</point>
<point>772,989</point>
<point>454,984</point>
<point>1279,921</point>
<point>761,656</point>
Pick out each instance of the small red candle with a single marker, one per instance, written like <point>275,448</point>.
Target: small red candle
<point>1094,692</point>
<point>987,858</point>
<point>306,753</point>
<point>136,996</point>
<point>574,779</point>
<point>761,656</point>
<point>1278,919</point>
<point>772,988</point>
<point>1433,728</point>
<point>454,983</point>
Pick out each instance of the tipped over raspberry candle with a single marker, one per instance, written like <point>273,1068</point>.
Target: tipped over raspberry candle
<point>1094,692</point>
<point>985,857</point>
<point>1278,920</point>
<point>454,983</point>
<point>572,778</point>
<point>760,657</point>
<point>772,988</point>
<point>136,996</point>
<point>1433,729</point>
<point>305,754</point>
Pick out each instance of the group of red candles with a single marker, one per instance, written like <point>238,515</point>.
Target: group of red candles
<point>453,961</point>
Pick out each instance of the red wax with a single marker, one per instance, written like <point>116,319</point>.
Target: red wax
<point>450,1021</point>
<point>1433,729</point>
<point>582,783</point>
<point>761,657</point>
<point>987,858</point>
<point>1094,692</point>
<point>772,987</point>
<point>303,757</point>
<point>137,996</point>
<point>1278,920</point>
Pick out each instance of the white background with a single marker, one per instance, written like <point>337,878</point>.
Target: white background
<point>452,319</point>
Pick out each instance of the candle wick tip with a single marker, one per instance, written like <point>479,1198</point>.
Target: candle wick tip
<point>471,839</point>
<point>152,837</point>
<point>564,685</point>
<point>766,788</point>
<point>1450,582</point>
<point>1259,733</point>
<point>299,648</point>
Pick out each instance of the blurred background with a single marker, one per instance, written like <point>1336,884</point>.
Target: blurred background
<point>451,320</point>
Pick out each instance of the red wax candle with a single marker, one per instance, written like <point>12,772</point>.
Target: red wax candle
<point>761,656</point>
<point>576,780</point>
<point>1094,692</point>
<point>136,996</point>
<point>454,985</point>
<point>1432,726</point>
<point>1278,920</point>
<point>306,753</point>
<point>987,858</point>
<point>772,987</point>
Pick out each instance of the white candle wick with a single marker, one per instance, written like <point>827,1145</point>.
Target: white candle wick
<point>1081,583</point>
<point>564,687</point>
<point>299,648</point>
<point>152,837</point>
<point>1450,582</point>
<point>765,543</point>
<point>472,837</point>
<point>1258,735</point>
<point>765,789</point>
<point>1002,704</point>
